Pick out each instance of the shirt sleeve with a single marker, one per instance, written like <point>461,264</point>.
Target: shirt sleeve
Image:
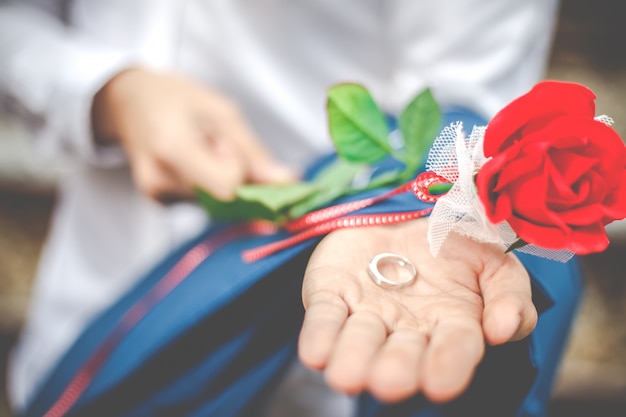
<point>49,74</point>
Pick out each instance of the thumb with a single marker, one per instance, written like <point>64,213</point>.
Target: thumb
<point>268,170</point>
<point>509,313</point>
<point>260,165</point>
<point>216,167</point>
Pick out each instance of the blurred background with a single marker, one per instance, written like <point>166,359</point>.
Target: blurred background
<point>589,48</point>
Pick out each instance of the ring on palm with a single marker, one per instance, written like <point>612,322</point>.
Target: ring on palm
<point>404,275</point>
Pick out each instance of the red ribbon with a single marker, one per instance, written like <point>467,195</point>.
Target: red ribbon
<point>332,218</point>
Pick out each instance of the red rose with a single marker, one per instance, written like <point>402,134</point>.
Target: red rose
<point>556,175</point>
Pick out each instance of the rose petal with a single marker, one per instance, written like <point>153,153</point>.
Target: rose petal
<point>497,207</point>
<point>588,138</point>
<point>581,193</point>
<point>489,172</point>
<point>502,209</point>
<point>585,215</point>
<point>567,141</point>
<point>580,240</point>
<point>615,204</point>
<point>546,101</point>
<point>532,149</point>
<point>557,184</point>
<point>595,141</point>
<point>608,148</point>
<point>516,168</point>
<point>570,188</point>
<point>598,189</point>
<point>529,202</point>
<point>570,166</point>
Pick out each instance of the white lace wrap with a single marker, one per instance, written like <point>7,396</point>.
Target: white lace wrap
<point>457,158</point>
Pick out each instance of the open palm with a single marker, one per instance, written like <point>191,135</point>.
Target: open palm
<point>427,337</point>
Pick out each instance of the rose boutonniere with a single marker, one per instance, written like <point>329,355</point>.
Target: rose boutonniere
<point>545,175</point>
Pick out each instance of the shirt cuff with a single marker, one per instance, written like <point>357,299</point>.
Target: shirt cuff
<point>85,71</point>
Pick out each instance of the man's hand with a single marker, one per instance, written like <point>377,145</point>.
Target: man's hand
<point>179,135</point>
<point>427,337</point>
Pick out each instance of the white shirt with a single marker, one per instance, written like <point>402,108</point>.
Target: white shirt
<point>276,58</point>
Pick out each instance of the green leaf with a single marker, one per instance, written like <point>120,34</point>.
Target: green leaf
<point>337,180</point>
<point>235,210</point>
<point>332,182</point>
<point>361,136</point>
<point>276,197</point>
<point>256,201</point>
<point>419,123</point>
<point>357,126</point>
<point>385,179</point>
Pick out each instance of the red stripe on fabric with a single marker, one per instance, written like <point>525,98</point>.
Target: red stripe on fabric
<point>138,311</point>
<point>310,225</point>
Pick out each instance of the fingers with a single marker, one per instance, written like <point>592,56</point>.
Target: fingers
<point>211,163</point>
<point>429,338</point>
<point>357,345</point>
<point>453,353</point>
<point>508,317</point>
<point>223,120</point>
<point>395,372</point>
<point>156,181</point>
<point>175,164</point>
<point>324,318</point>
<point>509,313</point>
<point>226,155</point>
<point>202,141</point>
<point>357,354</point>
<point>260,166</point>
